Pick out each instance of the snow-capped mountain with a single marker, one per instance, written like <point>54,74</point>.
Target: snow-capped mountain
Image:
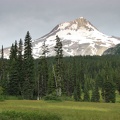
<point>79,37</point>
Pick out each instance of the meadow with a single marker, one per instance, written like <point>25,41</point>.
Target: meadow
<point>64,110</point>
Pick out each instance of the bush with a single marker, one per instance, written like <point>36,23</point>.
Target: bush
<point>67,98</point>
<point>12,115</point>
<point>52,97</point>
<point>13,97</point>
<point>1,98</point>
<point>1,90</point>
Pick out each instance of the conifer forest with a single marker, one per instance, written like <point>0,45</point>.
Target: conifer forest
<point>83,78</point>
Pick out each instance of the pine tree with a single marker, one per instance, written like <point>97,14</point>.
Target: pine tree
<point>58,66</point>
<point>81,73</point>
<point>67,82</point>
<point>13,71</point>
<point>43,71</point>
<point>117,79</point>
<point>101,80</point>
<point>1,67</point>
<point>109,86</point>
<point>3,72</point>
<point>109,92</point>
<point>71,78</point>
<point>20,67</point>
<point>77,91</point>
<point>77,88</point>
<point>51,83</point>
<point>29,81</point>
<point>86,90</point>
<point>2,53</point>
<point>95,93</point>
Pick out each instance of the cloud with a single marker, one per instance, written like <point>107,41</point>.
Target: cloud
<point>40,16</point>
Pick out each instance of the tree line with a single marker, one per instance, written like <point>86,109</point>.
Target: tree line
<point>84,78</point>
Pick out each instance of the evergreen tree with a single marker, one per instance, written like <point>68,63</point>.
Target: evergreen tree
<point>77,91</point>
<point>29,81</point>
<point>58,66</point>
<point>67,83</point>
<point>86,90</point>
<point>77,88</point>
<point>20,67</point>
<point>117,79</point>
<point>51,83</point>
<point>109,86</point>
<point>43,71</point>
<point>109,92</point>
<point>3,72</point>
<point>95,93</point>
<point>2,53</point>
<point>13,71</point>
<point>101,80</point>
<point>1,67</point>
<point>81,74</point>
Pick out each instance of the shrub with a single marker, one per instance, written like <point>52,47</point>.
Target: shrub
<point>52,97</point>
<point>1,98</point>
<point>1,90</point>
<point>13,97</point>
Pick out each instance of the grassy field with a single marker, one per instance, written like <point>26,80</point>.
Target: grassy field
<point>67,110</point>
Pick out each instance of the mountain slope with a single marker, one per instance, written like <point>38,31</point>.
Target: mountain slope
<point>113,50</point>
<point>79,37</point>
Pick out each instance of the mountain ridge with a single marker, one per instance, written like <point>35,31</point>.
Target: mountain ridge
<point>113,50</point>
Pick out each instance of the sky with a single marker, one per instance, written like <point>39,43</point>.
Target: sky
<point>39,17</point>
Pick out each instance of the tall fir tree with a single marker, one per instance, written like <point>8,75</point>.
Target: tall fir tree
<point>77,91</point>
<point>86,90</point>
<point>3,72</point>
<point>1,67</point>
<point>117,79</point>
<point>29,81</point>
<point>109,89</point>
<point>95,93</point>
<point>13,72</point>
<point>77,88</point>
<point>51,83</point>
<point>109,85</point>
<point>20,67</point>
<point>2,53</point>
<point>43,72</point>
<point>71,77</point>
<point>58,66</point>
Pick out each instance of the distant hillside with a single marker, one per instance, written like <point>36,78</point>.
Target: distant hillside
<point>113,50</point>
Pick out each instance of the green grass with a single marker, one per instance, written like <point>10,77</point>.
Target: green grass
<point>117,97</point>
<point>67,110</point>
<point>13,115</point>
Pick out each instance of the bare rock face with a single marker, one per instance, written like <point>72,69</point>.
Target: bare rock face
<point>79,37</point>
<point>81,22</point>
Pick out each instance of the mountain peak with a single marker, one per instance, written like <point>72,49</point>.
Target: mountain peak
<point>80,19</point>
<point>76,24</point>
<point>82,22</point>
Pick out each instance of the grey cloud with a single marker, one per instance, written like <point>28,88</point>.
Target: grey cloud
<point>40,16</point>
